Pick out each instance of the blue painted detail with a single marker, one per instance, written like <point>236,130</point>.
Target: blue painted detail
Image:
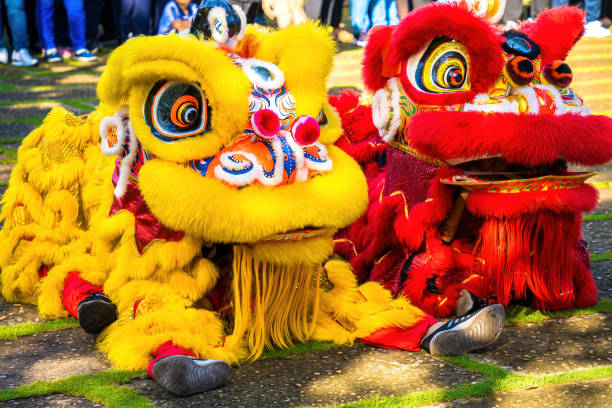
<point>238,172</point>
<point>268,144</point>
<point>201,166</point>
<point>289,157</point>
<point>519,44</point>
<point>263,72</point>
<point>312,158</point>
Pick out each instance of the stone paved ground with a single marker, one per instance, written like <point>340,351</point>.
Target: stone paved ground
<point>341,374</point>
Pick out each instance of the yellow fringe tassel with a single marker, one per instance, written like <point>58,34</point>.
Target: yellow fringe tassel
<point>274,304</point>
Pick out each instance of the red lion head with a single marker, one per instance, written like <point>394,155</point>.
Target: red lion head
<point>484,120</point>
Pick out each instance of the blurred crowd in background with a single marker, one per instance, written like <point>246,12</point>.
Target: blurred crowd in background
<point>58,29</point>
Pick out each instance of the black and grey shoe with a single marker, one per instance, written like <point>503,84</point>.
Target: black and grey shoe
<point>95,313</point>
<point>468,303</point>
<point>184,375</point>
<point>467,333</point>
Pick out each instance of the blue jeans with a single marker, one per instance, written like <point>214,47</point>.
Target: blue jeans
<point>592,8</point>
<point>17,22</point>
<point>76,23</point>
<point>366,14</point>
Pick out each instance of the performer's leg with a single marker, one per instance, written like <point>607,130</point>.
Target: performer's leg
<point>87,303</point>
<point>179,371</point>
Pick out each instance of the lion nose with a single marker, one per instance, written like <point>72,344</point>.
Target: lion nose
<point>558,74</point>
<point>305,130</point>
<point>520,71</point>
<point>265,123</point>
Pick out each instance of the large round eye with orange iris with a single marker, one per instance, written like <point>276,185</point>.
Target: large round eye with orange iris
<point>175,110</point>
<point>442,67</point>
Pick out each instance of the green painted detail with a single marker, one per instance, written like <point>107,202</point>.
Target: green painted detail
<point>601,257</point>
<point>597,217</point>
<point>520,314</point>
<point>4,87</point>
<point>408,108</point>
<point>10,332</point>
<point>103,388</point>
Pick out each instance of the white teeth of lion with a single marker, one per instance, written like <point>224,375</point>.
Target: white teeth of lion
<point>485,104</point>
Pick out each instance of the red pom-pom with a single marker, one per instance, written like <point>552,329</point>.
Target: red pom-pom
<point>305,130</point>
<point>265,123</point>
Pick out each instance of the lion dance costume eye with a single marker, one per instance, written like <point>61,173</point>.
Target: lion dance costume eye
<point>175,110</point>
<point>441,68</point>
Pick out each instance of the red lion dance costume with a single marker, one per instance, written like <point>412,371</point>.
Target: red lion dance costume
<point>469,186</point>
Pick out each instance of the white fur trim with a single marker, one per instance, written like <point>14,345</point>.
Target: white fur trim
<point>127,161</point>
<point>327,165</point>
<point>277,80</point>
<point>531,96</point>
<point>217,22</point>
<point>107,122</point>
<point>257,171</point>
<point>480,104</point>
<point>386,112</point>
<point>554,92</point>
<point>243,22</point>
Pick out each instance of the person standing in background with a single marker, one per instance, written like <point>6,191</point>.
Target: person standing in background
<point>135,18</point>
<point>177,16</point>
<point>366,14</point>
<point>19,32</point>
<point>329,12</point>
<point>593,27</point>
<point>76,28</point>
<point>406,6</point>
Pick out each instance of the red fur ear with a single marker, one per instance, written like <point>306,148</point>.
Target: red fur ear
<point>556,31</point>
<point>375,70</point>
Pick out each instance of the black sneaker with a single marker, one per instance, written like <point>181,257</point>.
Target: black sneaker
<point>96,312</point>
<point>184,375</point>
<point>467,333</point>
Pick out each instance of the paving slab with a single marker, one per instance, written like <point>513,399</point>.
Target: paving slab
<point>17,313</point>
<point>602,273</point>
<point>320,378</point>
<point>29,81</point>
<point>585,394</point>
<point>604,205</point>
<point>598,235</point>
<point>48,357</point>
<point>34,110</point>
<point>59,93</point>
<point>553,346</point>
<point>51,401</point>
<point>15,129</point>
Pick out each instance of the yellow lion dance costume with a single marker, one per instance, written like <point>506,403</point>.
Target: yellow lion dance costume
<point>188,217</point>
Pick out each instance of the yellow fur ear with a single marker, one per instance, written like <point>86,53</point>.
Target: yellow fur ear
<point>305,54</point>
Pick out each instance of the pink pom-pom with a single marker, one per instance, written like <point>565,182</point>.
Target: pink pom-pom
<point>265,123</point>
<point>305,130</point>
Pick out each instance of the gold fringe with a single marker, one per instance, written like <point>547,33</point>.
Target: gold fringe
<point>274,304</point>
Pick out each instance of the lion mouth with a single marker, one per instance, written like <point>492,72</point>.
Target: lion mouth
<point>296,234</point>
<point>497,173</point>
